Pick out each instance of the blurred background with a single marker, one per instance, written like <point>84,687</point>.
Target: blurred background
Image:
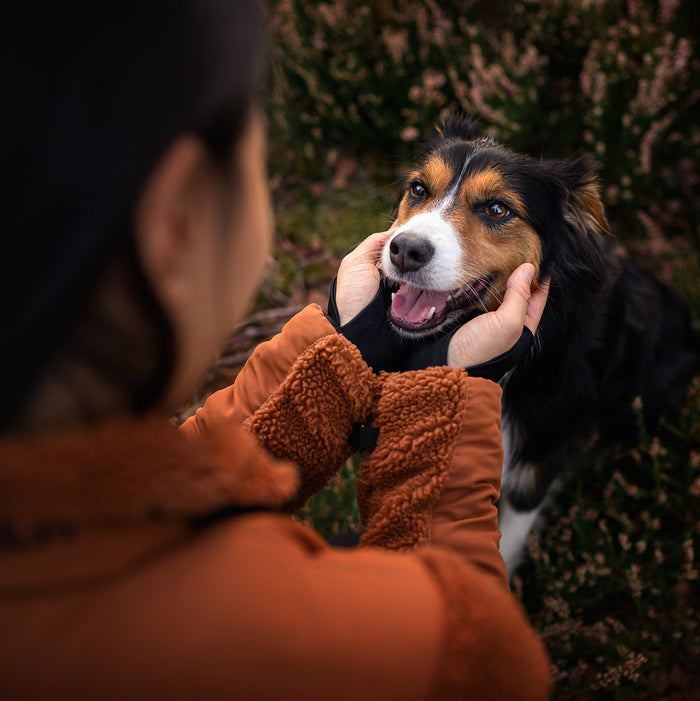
<point>612,582</point>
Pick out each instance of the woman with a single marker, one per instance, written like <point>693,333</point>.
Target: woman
<point>141,561</point>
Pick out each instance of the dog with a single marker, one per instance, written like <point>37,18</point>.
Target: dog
<point>471,211</point>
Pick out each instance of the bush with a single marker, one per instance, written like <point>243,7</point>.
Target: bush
<point>613,78</point>
<point>612,582</point>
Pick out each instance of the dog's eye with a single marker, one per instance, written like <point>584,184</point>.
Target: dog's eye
<point>497,210</point>
<point>417,190</point>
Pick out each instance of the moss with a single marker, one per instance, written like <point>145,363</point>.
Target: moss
<point>337,220</point>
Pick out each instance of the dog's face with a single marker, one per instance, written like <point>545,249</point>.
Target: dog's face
<point>471,212</point>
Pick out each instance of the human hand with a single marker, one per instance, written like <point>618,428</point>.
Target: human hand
<point>358,303</point>
<point>490,335</point>
<point>490,343</point>
<point>358,277</point>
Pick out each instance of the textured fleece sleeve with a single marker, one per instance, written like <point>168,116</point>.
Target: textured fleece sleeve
<point>262,374</point>
<point>434,476</point>
<point>308,419</point>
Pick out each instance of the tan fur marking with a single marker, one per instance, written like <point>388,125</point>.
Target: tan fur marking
<point>592,209</point>
<point>488,184</point>
<point>496,251</point>
<point>437,177</point>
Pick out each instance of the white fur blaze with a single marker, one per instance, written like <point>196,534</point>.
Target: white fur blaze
<point>442,272</point>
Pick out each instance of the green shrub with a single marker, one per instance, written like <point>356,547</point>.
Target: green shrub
<point>334,510</point>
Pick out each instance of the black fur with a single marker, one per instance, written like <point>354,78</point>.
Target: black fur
<point>609,334</point>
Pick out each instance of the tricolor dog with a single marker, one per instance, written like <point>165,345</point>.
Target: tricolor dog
<point>471,212</point>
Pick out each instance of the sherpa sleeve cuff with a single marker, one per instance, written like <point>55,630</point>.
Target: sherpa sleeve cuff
<point>434,475</point>
<point>309,418</point>
<point>418,414</point>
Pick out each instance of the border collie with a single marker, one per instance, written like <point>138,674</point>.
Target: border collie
<point>471,212</point>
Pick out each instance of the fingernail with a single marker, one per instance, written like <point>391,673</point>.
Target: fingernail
<point>529,271</point>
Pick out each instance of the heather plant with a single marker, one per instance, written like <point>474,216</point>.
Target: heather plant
<point>613,578</point>
<point>617,79</point>
<point>334,511</point>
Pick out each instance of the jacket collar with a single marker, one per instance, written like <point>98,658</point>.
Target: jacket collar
<point>128,471</point>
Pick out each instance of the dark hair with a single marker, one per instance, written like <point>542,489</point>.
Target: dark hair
<point>94,94</point>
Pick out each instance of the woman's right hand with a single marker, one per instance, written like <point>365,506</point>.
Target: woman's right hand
<point>358,304</point>
<point>490,343</point>
<point>490,335</point>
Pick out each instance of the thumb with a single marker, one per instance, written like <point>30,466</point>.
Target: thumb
<point>512,313</point>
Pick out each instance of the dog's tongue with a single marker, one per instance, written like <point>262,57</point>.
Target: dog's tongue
<point>414,305</point>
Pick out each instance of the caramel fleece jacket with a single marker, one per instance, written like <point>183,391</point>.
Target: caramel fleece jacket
<point>138,561</point>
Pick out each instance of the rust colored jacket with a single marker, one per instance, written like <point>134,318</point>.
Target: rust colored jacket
<point>141,562</point>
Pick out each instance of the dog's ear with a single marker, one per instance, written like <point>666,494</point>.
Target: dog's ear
<point>457,125</point>
<point>566,209</point>
<point>583,206</point>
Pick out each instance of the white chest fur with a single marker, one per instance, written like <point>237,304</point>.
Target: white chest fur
<point>515,525</point>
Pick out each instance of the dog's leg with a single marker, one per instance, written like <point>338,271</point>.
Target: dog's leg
<point>515,528</point>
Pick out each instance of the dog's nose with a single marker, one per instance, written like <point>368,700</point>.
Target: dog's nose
<point>408,251</point>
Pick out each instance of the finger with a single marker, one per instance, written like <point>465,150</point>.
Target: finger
<point>536,307</point>
<point>360,267</point>
<point>370,248</point>
<point>520,280</point>
<point>512,313</point>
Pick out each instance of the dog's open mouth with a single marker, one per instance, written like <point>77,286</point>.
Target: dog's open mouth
<point>416,309</point>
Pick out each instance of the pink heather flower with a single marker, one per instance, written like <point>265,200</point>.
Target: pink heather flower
<point>396,43</point>
<point>667,10</point>
<point>695,488</point>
